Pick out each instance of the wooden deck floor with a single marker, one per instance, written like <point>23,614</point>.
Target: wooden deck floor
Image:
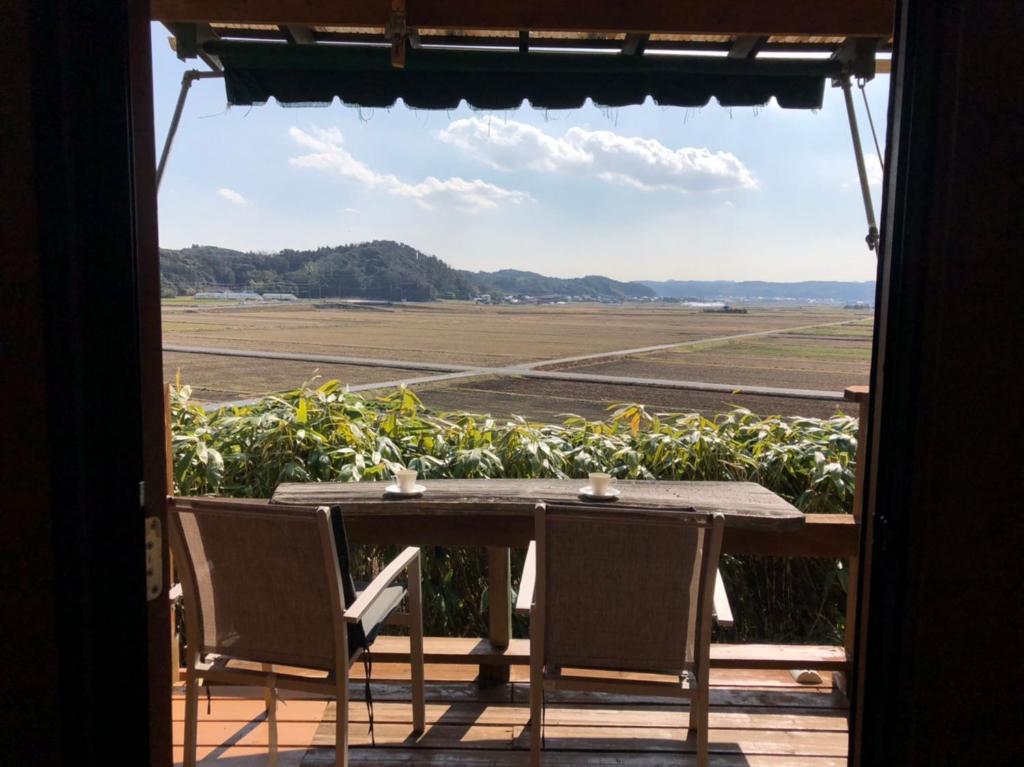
<point>758,719</point>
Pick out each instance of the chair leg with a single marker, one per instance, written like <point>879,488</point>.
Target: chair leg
<point>341,719</point>
<point>270,697</point>
<point>536,717</point>
<point>702,725</point>
<point>416,647</point>
<point>191,716</point>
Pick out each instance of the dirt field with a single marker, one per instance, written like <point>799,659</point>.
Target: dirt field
<point>792,361</point>
<point>813,351</point>
<point>549,400</point>
<point>216,379</point>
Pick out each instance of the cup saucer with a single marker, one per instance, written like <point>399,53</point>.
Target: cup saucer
<point>588,493</point>
<point>394,491</point>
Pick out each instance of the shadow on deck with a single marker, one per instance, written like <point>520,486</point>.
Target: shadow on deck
<point>758,719</point>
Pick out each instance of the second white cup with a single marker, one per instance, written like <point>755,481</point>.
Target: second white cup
<point>406,480</point>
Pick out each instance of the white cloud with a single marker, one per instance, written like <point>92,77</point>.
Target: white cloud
<point>350,210</point>
<point>874,169</point>
<point>233,197</point>
<point>644,164</point>
<point>328,154</point>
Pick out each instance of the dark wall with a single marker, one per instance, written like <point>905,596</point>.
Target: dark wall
<point>73,645</point>
<point>942,675</point>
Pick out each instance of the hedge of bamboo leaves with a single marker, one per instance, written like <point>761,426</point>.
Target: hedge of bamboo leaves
<point>328,434</point>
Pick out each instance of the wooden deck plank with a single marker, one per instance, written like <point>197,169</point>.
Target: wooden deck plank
<point>238,709</point>
<point>599,716</point>
<point>757,720</point>
<point>469,692</point>
<point>241,712</point>
<point>672,740</point>
<point>253,733</point>
<point>462,650</point>
<point>240,756</point>
<point>412,757</point>
<point>727,677</point>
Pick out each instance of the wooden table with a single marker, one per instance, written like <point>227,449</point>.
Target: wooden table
<point>498,514</point>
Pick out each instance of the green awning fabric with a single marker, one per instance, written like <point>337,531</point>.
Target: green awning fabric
<point>441,79</point>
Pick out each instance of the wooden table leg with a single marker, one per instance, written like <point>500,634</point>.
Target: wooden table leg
<point>499,576</point>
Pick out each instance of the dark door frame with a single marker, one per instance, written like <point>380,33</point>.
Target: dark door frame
<point>86,673</point>
<point>938,676</point>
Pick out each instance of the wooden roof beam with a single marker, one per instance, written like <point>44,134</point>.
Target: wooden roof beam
<point>852,18</point>
<point>299,34</point>
<point>746,46</point>
<point>188,41</point>
<point>634,44</point>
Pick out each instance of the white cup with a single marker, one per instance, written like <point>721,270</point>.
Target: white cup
<point>406,480</point>
<point>601,483</point>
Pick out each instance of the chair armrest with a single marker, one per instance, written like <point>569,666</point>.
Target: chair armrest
<point>385,578</point>
<point>528,581</point>
<point>722,609</point>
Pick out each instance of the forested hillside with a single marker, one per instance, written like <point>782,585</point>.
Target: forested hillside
<point>381,270</point>
<point>513,282</point>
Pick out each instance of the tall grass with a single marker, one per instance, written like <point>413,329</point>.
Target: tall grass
<point>328,434</point>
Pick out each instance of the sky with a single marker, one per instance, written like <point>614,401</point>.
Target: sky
<point>633,193</point>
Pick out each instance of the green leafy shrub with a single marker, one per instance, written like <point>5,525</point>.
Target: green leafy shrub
<point>328,434</point>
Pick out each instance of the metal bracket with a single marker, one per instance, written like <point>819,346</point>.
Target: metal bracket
<point>869,209</point>
<point>154,558</point>
<point>189,77</point>
<point>397,31</point>
<point>857,54</point>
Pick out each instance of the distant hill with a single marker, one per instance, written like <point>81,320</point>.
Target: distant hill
<point>724,290</point>
<point>391,271</point>
<point>512,282</point>
<point>382,270</point>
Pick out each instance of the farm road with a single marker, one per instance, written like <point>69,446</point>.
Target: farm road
<point>446,372</point>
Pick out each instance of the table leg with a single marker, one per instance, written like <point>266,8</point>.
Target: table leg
<point>499,576</point>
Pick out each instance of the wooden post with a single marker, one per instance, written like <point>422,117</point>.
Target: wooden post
<point>860,395</point>
<point>169,460</point>
<point>499,575</point>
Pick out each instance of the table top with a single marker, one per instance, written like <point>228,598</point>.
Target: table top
<point>744,504</point>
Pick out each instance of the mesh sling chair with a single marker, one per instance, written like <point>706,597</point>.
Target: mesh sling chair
<point>621,589</point>
<point>268,586</point>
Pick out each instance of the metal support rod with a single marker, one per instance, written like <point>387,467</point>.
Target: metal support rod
<point>858,152</point>
<point>187,79</point>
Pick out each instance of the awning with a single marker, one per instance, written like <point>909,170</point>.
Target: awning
<point>362,75</point>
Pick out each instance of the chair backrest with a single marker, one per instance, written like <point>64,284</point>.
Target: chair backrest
<point>261,582</point>
<point>626,588</point>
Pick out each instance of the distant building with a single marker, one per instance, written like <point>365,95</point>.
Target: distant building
<point>229,295</point>
<point>726,309</point>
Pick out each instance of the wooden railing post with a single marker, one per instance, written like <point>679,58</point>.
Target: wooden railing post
<point>499,578</point>
<point>858,394</point>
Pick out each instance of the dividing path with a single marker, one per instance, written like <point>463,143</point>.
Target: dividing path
<point>445,372</point>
